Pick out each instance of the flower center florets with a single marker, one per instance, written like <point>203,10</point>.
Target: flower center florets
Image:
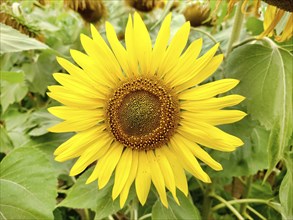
<point>142,113</point>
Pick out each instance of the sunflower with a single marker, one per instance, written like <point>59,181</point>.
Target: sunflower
<point>272,18</point>
<point>275,12</point>
<point>140,112</point>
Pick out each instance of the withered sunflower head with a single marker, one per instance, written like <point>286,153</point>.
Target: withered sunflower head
<point>197,13</point>
<point>90,11</point>
<point>143,5</point>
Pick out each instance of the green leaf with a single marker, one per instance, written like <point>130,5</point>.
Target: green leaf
<point>39,73</point>
<point>254,25</point>
<point>41,121</point>
<point>265,75</point>
<point>13,88</point>
<point>16,125</point>
<point>247,159</point>
<point>13,41</point>
<point>83,195</point>
<point>286,188</point>
<point>28,185</point>
<point>6,144</point>
<point>12,77</point>
<point>186,210</point>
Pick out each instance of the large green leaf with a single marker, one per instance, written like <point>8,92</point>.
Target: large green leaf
<point>13,41</point>
<point>186,210</point>
<point>83,195</point>
<point>286,188</point>
<point>28,185</point>
<point>13,88</point>
<point>265,75</point>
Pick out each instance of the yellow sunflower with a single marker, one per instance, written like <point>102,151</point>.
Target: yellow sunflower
<point>140,112</point>
<point>272,18</point>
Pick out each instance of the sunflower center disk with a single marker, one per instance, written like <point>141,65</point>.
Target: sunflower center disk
<point>142,114</point>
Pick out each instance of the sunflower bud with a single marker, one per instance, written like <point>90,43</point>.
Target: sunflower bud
<point>143,5</point>
<point>197,14</point>
<point>90,11</point>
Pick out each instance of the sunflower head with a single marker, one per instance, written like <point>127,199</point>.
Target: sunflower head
<point>143,5</point>
<point>197,13</point>
<point>90,11</point>
<point>140,111</point>
<point>284,5</point>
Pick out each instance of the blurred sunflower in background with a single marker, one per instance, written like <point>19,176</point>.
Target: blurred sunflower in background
<point>277,13</point>
<point>143,5</point>
<point>140,112</point>
<point>90,11</point>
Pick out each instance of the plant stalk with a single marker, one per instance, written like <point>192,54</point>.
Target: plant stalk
<point>134,210</point>
<point>236,29</point>
<point>245,195</point>
<point>228,205</point>
<point>207,203</point>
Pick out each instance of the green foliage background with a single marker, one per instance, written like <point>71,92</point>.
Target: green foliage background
<point>256,182</point>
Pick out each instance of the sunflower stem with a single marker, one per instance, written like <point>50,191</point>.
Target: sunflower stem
<point>149,215</point>
<point>86,214</point>
<point>246,193</point>
<point>256,213</point>
<point>236,29</point>
<point>228,205</point>
<point>134,210</point>
<point>240,201</point>
<point>207,202</point>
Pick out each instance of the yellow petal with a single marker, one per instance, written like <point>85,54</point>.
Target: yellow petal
<point>122,172</point>
<point>103,56</point>
<point>188,160</point>
<point>178,171</point>
<point>167,172</point>
<point>272,17</point>
<point>198,152</point>
<point>102,45</point>
<point>75,71</point>
<point>209,136</point>
<point>95,71</point>
<point>109,164</point>
<point>157,177</point>
<point>118,49</point>
<point>217,117</point>
<point>288,30</point>
<point>161,44</point>
<point>208,90</point>
<point>91,154</point>
<point>143,178</point>
<point>174,50</point>
<point>203,64</point>
<point>186,61</point>
<point>212,103</point>
<point>75,125</point>
<point>142,43</point>
<point>130,46</point>
<point>78,86</point>
<point>203,74</point>
<point>131,177</point>
<point>71,98</point>
<point>67,113</point>
<point>80,140</point>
